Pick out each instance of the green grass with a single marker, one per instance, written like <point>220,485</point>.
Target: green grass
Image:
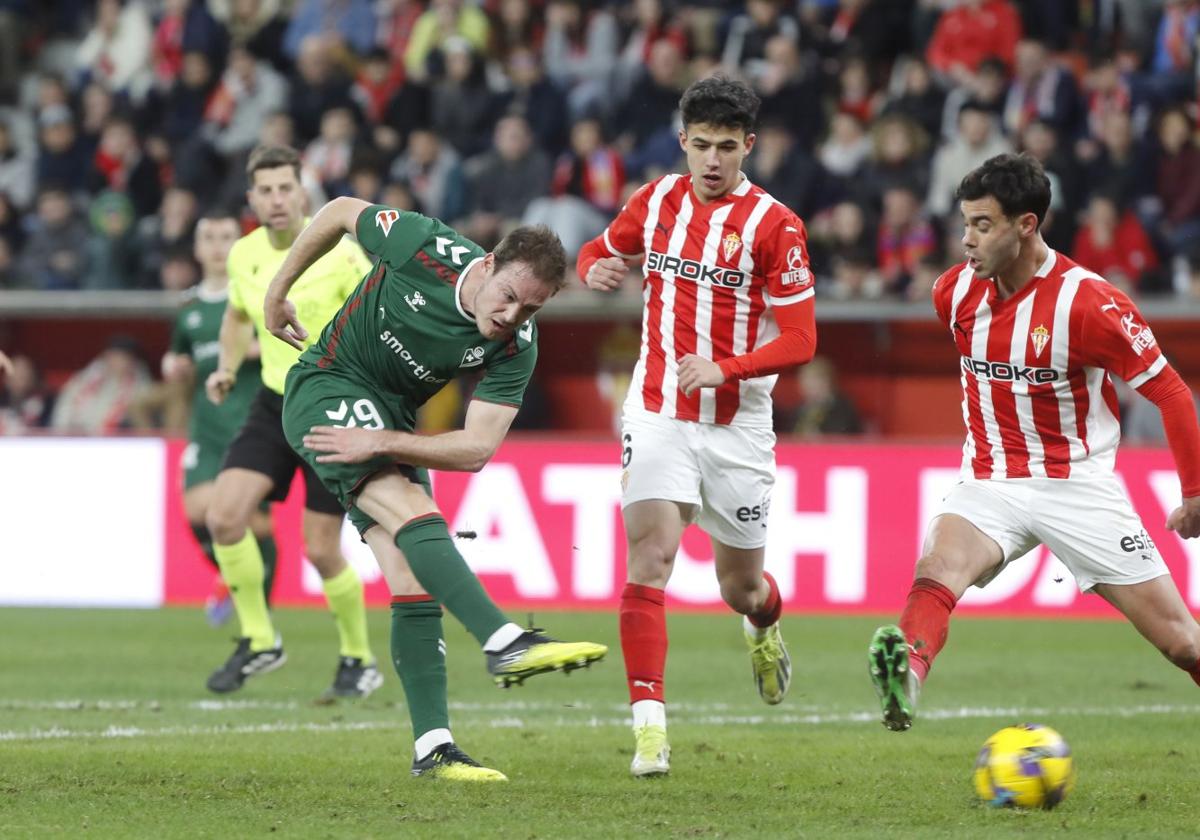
<point>137,752</point>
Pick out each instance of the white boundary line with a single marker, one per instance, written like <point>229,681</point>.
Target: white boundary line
<point>680,717</point>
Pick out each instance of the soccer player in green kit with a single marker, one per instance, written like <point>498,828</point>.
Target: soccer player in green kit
<point>434,306</point>
<point>211,428</point>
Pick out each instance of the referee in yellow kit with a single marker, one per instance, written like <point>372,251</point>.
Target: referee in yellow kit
<point>260,464</point>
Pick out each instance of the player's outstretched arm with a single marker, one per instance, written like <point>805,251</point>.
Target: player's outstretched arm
<point>1171,395</point>
<point>332,222</point>
<point>465,450</point>
<point>237,332</point>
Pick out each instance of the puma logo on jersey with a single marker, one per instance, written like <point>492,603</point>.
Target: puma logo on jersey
<point>415,302</point>
<point>1112,304</point>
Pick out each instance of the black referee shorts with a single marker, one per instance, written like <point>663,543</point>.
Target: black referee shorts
<point>261,446</point>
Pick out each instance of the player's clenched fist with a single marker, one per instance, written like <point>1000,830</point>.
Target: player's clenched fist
<point>219,384</point>
<point>698,372</point>
<point>606,274</point>
<point>1185,519</point>
<point>279,315</point>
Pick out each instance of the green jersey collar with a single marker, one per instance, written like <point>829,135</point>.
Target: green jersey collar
<point>458,289</point>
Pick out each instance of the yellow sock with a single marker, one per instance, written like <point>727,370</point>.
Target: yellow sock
<point>242,568</point>
<point>344,592</point>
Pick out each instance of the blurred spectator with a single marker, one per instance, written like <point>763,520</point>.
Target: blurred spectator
<point>16,170</point>
<point>120,165</point>
<point>53,256</point>
<point>652,102</point>
<point>843,230</point>
<point>987,90</point>
<point>789,173</point>
<point>976,141</point>
<point>919,98</point>
<point>164,232</point>
<point>1042,90</point>
<point>396,20</point>
<point>536,98</point>
<point>504,180</point>
<point>397,194</point>
<point>328,157</point>
<point>970,31</point>
<point>899,157</point>
<point>1119,166</point>
<point>823,409</point>
<point>463,108</point>
<point>116,50</point>
<point>184,25</point>
<point>25,401</point>
<point>178,271</point>
<point>1173,61</point>
<point>790,91</point>
<point>904,236</point>
<point>746,44</point>
<point>856,93</point>
<point>184,104</point>
<point>254,25</point>
<point>928,269</point>
<point>1114,245</point>
<point>433,171</point>
<point>342,26</point>
<point>97,106</point>
<point>876,29</point>
<point>515,25</point>
<point>96,400</point>
<point>1177,181</point>
<point>650,22</point>
<point>1107,90</point>
<point>8,265</point>
<point>580,52</point>
<point>586,190</point>
<point>248,93</point>
<point>444,19</point>
<point>1040,140</point>
<point>317,85</point>
<point>112,248</point>
<point>375,85</point>
<point>12,232</point>
<point>846,148</point>
<point>406,105</point>
<point>62,158</point>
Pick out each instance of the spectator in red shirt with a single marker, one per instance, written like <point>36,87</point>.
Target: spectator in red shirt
<point>1114,245</point>
<point>970,32</point>
<point>904,236</point>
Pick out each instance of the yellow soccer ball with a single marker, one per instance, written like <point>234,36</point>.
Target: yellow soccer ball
<point>1025,766</point>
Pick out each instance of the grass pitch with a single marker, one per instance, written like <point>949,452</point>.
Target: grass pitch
<point>106,730</point>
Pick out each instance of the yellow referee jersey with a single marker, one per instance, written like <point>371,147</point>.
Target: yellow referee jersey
<point>318,294</point>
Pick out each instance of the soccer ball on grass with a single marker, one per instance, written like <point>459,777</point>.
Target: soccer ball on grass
<point>1026,766</point>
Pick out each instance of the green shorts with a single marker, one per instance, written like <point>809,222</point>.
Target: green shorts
<point>315,396</point>
<point>201,461</point>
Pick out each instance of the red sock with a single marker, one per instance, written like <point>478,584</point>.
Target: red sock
<point>771,609</point>
<point>644,641</point>
<point>926,622</point>
<point>1194,673</point>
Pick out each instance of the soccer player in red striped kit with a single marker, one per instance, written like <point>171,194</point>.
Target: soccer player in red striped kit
<point>1039,338</point>
<point>728,305</point>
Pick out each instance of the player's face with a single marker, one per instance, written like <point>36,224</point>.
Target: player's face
<point>991,240</point>
<point>714,157</point>
<point>214,238</point>
<point>276,197</point>
<point>507,299</point>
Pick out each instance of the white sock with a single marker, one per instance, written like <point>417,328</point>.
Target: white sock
<point>502,638</point>
<point>756,633</point>
<point>430,741</point>
<point>649,713</point>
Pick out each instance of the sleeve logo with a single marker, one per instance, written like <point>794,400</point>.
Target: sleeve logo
<point>797,273</point>
<point>1140,337</point>
<point>386,218</point>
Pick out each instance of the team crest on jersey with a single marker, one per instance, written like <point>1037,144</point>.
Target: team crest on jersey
<point>730,245</point>
<point>386,218</point>
<point>472,357</point>
<point>1039,336</point>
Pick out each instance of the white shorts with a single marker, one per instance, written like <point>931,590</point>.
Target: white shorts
<point>1089,524</point>
<point>727,472</point>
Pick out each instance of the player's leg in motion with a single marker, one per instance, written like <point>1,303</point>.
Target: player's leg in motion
<point>236,497</point>
<point>407,512</point>
<point>653,529</point>
<point>357,674</point>
<point>419,656</point>
<point>955,555</point>
<point>753,593</point>
<point>1159,613</point>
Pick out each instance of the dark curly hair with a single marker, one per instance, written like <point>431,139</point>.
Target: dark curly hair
<point>720,102</point>
<point>1017,182</point>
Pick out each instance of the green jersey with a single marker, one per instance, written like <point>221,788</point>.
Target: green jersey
<point>197,327</point>
<point>405,330</point>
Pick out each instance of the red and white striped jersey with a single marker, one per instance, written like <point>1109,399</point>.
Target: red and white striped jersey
<point>1037,397</point>
<point>712,273</point>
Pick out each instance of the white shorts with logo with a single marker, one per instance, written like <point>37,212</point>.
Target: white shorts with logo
<point>1089,524</point>
<point>727,472</point>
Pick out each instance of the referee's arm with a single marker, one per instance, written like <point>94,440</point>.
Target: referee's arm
<point>335,220</point>
<point>237,333</point>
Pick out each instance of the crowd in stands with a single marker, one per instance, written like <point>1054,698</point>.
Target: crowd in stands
<point>122,120</point>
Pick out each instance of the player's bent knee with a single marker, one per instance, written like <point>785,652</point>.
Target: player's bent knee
<point>327,562</point>
<point>1183,649</point>
<point>741,597</point>
<point>226,523</point>
<point>650,563</point>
